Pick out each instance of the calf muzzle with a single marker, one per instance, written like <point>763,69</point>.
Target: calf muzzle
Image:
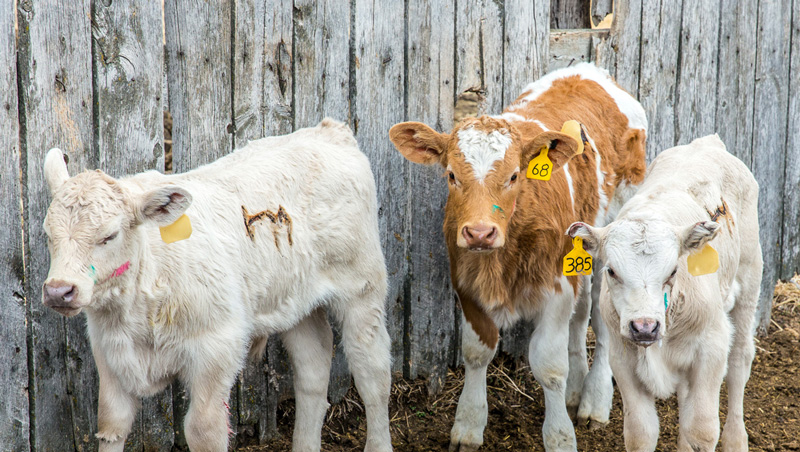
<point>480,237</point>
<point>61,297</point>
<point>645,332</point>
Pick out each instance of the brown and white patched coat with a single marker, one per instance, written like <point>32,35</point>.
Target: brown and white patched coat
<point>505,233</point>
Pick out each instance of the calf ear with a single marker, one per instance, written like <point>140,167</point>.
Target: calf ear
<point>561,147</point>
<point>591,236</point>
<point>55,169</point>
<point>696,236</point>
<point>418,143</point>
<point>163,205</point>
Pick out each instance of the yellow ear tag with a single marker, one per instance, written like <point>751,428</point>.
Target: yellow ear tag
<point>573,129</point>
<point>577,261</point>
<point>704,262</point>
<point>179,230</point>
<point>540,167</point>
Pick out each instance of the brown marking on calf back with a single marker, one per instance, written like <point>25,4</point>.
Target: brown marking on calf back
<point>278,219</point>
<point>722,211</point>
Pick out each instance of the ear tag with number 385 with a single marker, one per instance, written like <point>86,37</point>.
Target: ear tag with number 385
<point>703,262</point>
<point>577,261</point>
<point>179,230</point>
<point>541,167</point>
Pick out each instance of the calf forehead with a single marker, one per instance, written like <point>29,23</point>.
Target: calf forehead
<point>87,197</point>
<point>482,147</point>
<point>642,237</point>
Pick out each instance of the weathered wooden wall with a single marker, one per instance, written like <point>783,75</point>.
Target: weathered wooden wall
<point>93,77</point>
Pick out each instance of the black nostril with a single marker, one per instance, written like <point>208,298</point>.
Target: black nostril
<point>492,233</point>
<point>69,295</point>
<point>655,329</point>
<point>633,328</point>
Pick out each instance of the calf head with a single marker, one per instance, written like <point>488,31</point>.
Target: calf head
<point>642,258</point>
<point>92,232</point>
<point>485,160</point>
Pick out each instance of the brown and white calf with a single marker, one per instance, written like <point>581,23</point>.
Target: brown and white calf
<point>692,196</point>
<point>505,235</point>
<point>284,230</point>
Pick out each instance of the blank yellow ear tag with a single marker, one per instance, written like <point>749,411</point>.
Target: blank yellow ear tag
<point>540,167</point>
<point>704,262</point>
<point>577,261</point>
<point>179,230</point>
<point>573,129</point>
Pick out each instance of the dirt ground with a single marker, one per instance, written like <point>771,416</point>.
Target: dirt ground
<point>421,422</point>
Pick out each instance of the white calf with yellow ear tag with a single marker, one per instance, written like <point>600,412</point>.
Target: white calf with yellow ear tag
<point>703,262</point>
<point>179,230</point>
<point>573,129</point>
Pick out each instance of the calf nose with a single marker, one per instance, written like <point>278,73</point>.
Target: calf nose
<point>645,330</point>
<point>480,236</point>
<point>59,293</point>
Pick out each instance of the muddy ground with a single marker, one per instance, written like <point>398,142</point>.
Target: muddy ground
<point>422,422</point>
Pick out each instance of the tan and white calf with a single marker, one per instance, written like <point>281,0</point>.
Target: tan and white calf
<point>672,331</point>
<point>284,230</point>
<point>505,235</point>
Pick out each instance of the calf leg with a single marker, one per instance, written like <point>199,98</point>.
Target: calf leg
<point>116,410</point>
<point>310,346</point>
<point>366,344</point>
<point>640,424</point>
<point>734,434</point>
<point>578,366</point>
<point>472,409</point>
<point>698,404</point>
<point>548,356</point>
<point>598,389</point>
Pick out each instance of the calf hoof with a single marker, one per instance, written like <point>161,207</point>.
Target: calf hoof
<point>595,407</point>
<point>463,447</point>
<point>596,425</point>
<point>734,439</point>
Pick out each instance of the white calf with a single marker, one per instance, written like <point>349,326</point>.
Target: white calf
<point>284,229</point>
<point>692,196</point>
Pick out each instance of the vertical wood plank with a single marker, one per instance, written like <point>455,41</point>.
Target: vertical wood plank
<point>737,58</point>
<point>661,30</point>
<point>791,215</point>
<point>526,43</point>
<point>525,56</point>
<point>479,56</point>
<point>769,137</point>
<point>567,14</point>
<point>378,105</point>
<point>14,408</point>
<point>199,75</point>
<point>627,32</point>
<point>128,67</point>
<point>429,312</point>
<point>695,104</point>
<point>321,88</point>
<point>262,105</point>
<point>55,71</point>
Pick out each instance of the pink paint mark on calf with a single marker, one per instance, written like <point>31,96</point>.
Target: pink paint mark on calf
<point>121,269</point>
<point>228,418</point>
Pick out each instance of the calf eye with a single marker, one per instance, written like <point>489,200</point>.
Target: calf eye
<point>612,273</point>
<point>109,238</point>
<point>672,275</point>
<point>452,177</point>
<point>514,177</point>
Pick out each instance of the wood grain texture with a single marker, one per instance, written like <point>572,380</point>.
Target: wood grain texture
<point>569,14</point>
<point>626,29</point>
<point>430,83</point>
<point>661,31</point>
<point>198,35</point>
<point>526,52</point>
<point>55,76</point>
<point>378,105</point>
<point>128,70</point>
<point>695,103</point>
<point>790,263</point>
<point>479,53</point>
<point>600,9</point>
<point>321,88</point>
<point>737,58</point>
<point>769,137</point>
<point>569,47</point>
<point>14,407</point>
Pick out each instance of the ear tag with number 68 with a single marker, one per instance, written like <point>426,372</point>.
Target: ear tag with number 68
<point>541,167</point>
<point>703,262</point>
<point>577,261</point>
